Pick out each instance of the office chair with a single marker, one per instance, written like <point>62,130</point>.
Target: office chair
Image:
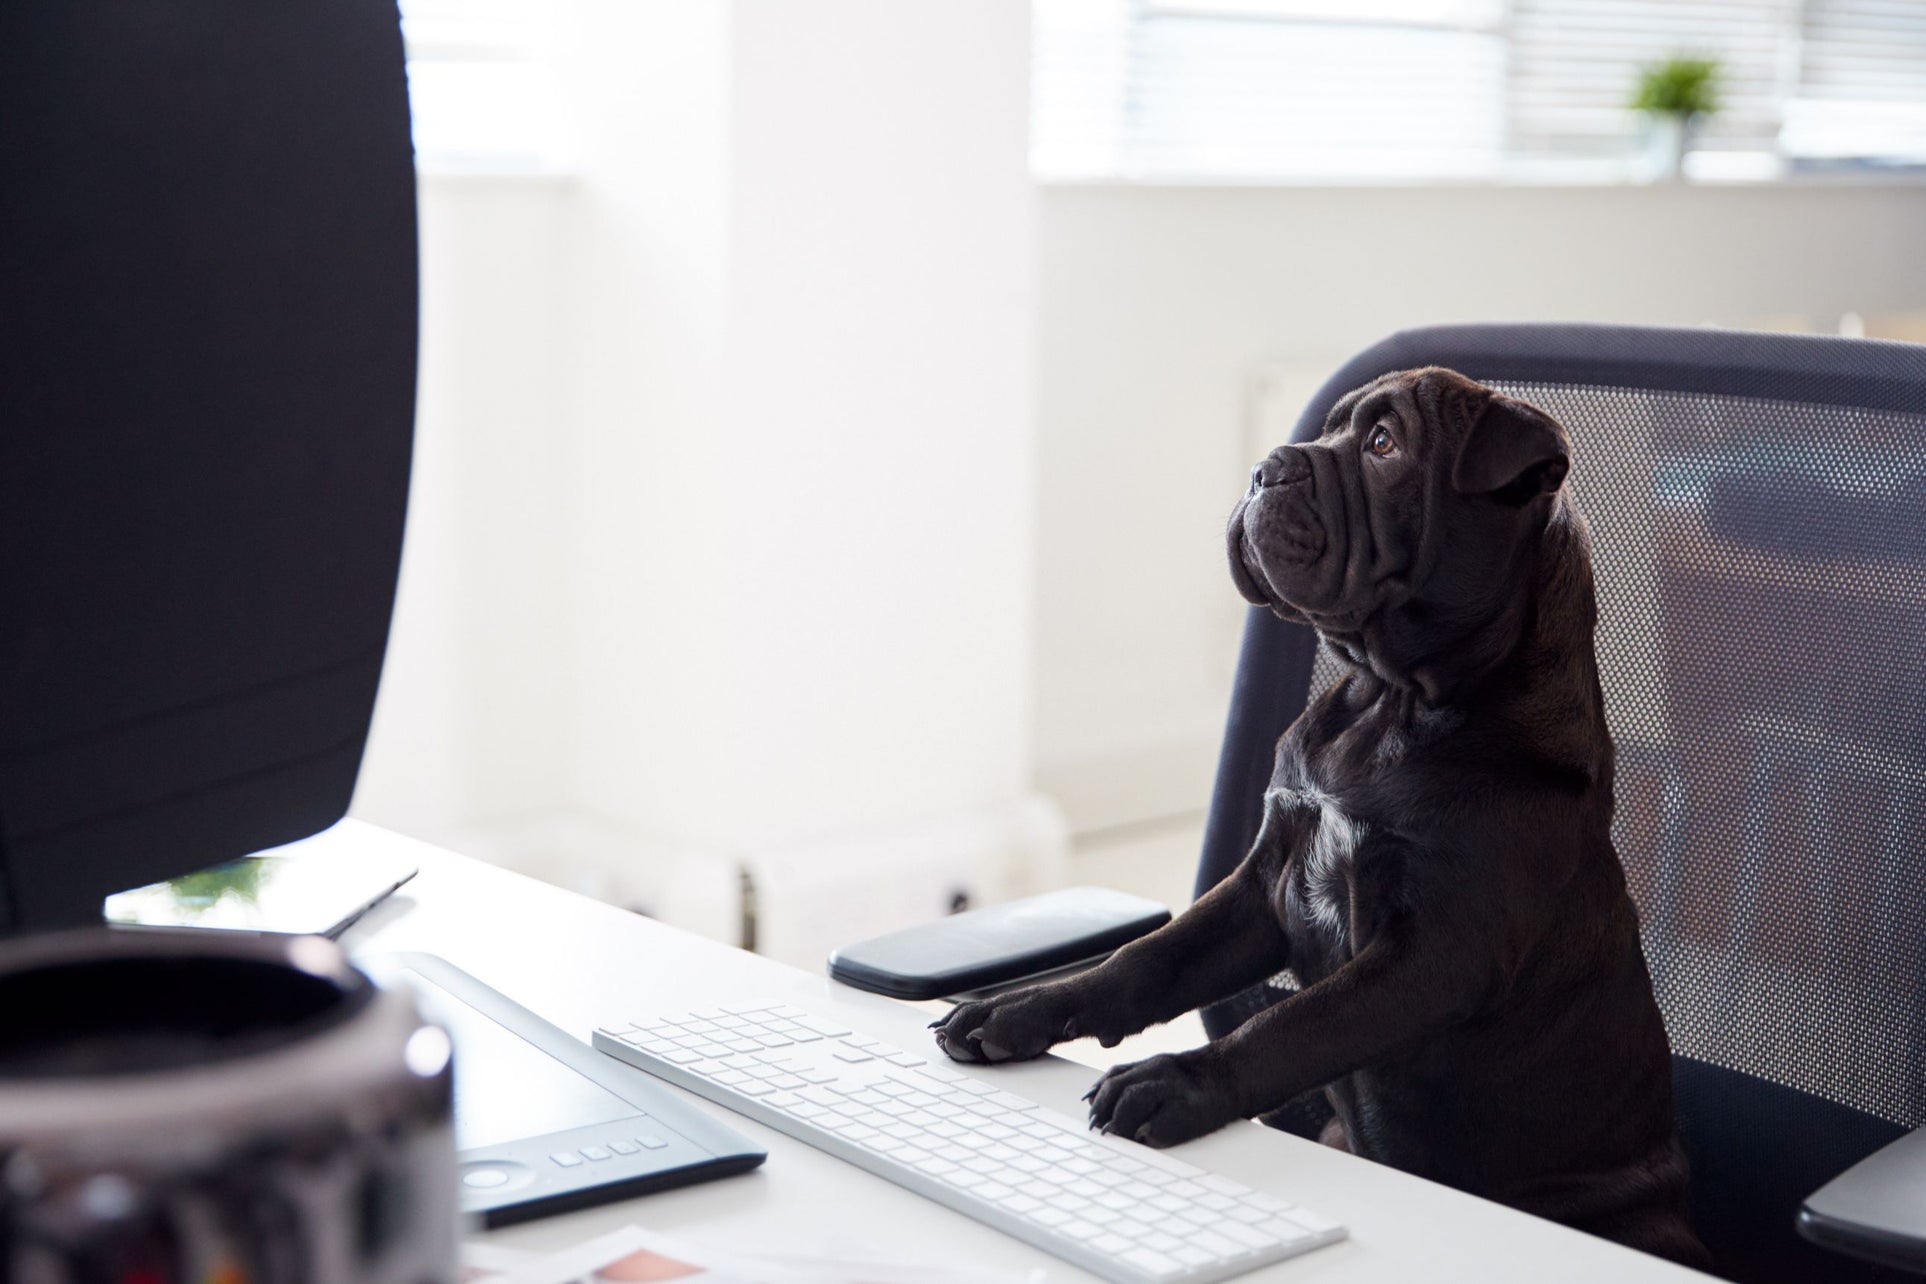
<point>1758,507</point>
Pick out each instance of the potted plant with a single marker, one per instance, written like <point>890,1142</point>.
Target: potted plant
<point>1675,95</point>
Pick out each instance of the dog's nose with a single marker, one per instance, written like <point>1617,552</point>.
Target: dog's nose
<point>1280,468</point>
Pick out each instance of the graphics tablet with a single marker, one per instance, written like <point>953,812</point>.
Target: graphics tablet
<point>544,1123</point>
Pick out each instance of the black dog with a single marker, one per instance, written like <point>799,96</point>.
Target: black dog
<point>1435,864</point>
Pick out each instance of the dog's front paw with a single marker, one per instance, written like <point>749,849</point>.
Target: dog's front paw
<point>1163,1101</point>
<point>1010,1027</point>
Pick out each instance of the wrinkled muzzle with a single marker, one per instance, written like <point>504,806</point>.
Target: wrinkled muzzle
<point>1299,541</point>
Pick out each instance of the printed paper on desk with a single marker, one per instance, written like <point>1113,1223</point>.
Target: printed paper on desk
<point>633,1254</point>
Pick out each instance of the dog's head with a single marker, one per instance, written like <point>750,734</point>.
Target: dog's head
<point>1421,495</point>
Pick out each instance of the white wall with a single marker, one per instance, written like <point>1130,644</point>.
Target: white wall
<point>751,396</point>
<point>1164,313</point>
<point>467,732</point>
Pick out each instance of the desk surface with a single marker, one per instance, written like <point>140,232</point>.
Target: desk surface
<point>581,963</point>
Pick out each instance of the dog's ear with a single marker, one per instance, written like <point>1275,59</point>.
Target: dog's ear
<point>1511,447</point>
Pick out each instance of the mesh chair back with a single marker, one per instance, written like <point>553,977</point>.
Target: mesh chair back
<point>1758,508</point>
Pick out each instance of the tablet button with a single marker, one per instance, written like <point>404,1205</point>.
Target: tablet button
<point>565,1159</point>
<point>623,1147</point>
<point>495,1175</point>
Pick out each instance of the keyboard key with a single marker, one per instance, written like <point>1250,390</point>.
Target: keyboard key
<point>1215,1244</point>
<point>828,1029</point>
<point>1246,1236</point>
<point>854,1056</point>
<point>1150,1263</point>
<point>1310,1221</point>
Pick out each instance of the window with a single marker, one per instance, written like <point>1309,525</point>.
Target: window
<point>1253,90</point>
<point>479,83</point>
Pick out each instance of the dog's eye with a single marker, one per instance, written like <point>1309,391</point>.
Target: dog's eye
<point>1382,445</point>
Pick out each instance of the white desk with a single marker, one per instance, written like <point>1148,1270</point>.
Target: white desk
<point>581,963</point>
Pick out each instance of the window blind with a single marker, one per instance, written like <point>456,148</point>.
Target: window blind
<point>1196,92</point>
<point>1575,64</point>
<point>1259,90</point>
<point>1862,82</point>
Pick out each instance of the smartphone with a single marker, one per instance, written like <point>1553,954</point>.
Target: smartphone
<point>984,949</point>
<point>281,890</point>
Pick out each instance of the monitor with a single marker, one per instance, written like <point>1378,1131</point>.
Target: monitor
<point>207,383</point>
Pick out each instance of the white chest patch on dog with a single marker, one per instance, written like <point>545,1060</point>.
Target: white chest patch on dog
<point>1325,856</point>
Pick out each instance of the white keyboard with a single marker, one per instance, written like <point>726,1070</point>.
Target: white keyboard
<point>1117,1209</point>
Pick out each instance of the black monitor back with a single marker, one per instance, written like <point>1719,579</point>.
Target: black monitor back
<point>207,381</point>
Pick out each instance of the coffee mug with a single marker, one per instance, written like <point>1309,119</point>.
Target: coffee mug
<point>196,1107</point>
